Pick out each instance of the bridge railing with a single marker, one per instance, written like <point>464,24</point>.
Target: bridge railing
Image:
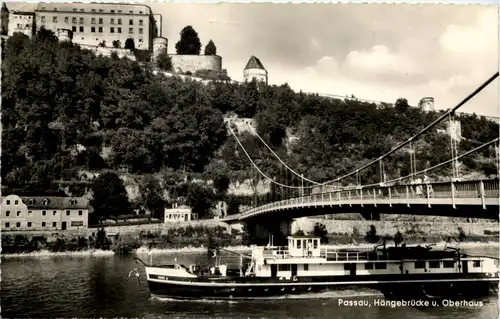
<point>450,190</point>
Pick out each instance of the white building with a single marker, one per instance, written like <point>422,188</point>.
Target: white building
<point>254,70</point>
<point>100,23</point>
<point>179,214</point>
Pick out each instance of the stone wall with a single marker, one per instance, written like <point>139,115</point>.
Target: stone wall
<point>391,227</point>
<point>193,63</point>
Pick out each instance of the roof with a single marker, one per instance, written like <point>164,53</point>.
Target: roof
<point>303,237</point>
<point>254,63</point>
<point>53,202</point>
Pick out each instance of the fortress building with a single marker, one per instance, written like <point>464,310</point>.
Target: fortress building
<point>426,104</point>
<point>254,70</point>
<point>96,23</point>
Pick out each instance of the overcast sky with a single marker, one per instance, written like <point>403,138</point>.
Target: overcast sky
<point>374,51</point>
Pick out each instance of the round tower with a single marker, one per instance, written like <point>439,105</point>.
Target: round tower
<point>254,70</point>
<point>159,44</point>
<point>427,104</point>
<point>64,35</point>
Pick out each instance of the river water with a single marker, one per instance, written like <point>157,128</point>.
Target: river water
<point>99,287</point>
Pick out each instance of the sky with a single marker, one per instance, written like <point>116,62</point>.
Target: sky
<point>374,51</point>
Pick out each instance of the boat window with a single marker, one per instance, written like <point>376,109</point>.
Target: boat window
<point>419,264</point>
<point>347,266</point>
<point>476,263</point>
<point>368,266</point>
<point>306,267</point>
<point>299,243</point>
<point>380,266</point>
<point>284,267</point>
<point>316,243</point>
<point>448,264</point>
<point>434,264</point>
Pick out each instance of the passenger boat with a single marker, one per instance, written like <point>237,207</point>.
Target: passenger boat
<point>307,267</point>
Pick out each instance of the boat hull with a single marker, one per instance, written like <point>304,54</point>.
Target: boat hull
<point>394,287</point>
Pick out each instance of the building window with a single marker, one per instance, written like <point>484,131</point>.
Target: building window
<point>112,21</point>
<point>434,264</point>
<point>112,30</point>
<point>44,213</point>
<point>54,224</point>
<point>8,202</point>
<point>43,19</point>
<point>73,28</point>
<point>448,264</point>
<point>29,212</point>
<point>66,19</point>
<point>131,22</point>
<point>130,30</point>
<point>74,10</point>
<point>54,19</point>
<point>73,20</point>
<point>55,9</point>
<point>419,264</point>
<point>93,10</point>
<point>81,10</point>
<point>476,263</point>
<point>100,10</point>
<point>76,223</point>
<point>119,30</point>
<point>112,11</point>
<point>100,29</point>
<point>18,224</point>
<point>31,201</point>
<point>29,224</point>
<point>54,213</point>
<point>67,213</point>
<point>80,213</point>
<point>18,213</point>
<point>119,11</point>
<point>44,8</point>
<point>92,21</point>
<point>140,30</point>
<point>81,20</point>
<point>131,11</point>
<point>81,29</point>
<point>140,12</point>
<point>7,213</point>
<point>306,267</point>
<point>43,224</point>
<point>100,20</point>
<point>16,202</point>
<point>92,29</point>
<point>120,21</point>
<point>140,22</point>
<point>140,40</point>
<point>7,225</point>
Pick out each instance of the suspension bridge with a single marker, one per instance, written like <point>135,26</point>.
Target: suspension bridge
<point>403,195</point>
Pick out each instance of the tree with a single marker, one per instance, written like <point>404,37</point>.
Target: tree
<point>109,196</point>
<point>210,48</point>
<point>189,42</point>
<point>164,61</point>
<point>321,232</point>
<point>117,44</point>
<point>102,43</point>
<point>401,105</point>
<point>371,235</point>
<point>200,199</point>
<point>130,44</point>
<point>150,190</point>
<point>398,238</point>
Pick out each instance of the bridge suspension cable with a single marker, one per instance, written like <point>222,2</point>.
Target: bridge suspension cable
<point>401,145</point>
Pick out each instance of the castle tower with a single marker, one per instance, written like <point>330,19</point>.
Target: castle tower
<point>159,44</point>
<point>254,70</point>
<point>426,104</point>
<point>64,35</point>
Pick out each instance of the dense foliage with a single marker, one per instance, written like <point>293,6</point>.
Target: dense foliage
<point>66,111</point>
<point>210,48</point>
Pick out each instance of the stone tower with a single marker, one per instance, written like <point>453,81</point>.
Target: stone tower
<point>159,44</point>
<point>254,70</point>
<point>426,104</point>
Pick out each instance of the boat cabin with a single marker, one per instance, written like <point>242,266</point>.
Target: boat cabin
<point>304,246</point>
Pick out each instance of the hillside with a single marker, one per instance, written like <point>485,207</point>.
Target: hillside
<point>67,115</point>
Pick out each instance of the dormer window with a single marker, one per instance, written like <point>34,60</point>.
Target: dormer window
<point>31,201</point>
<point>45,202</point>
<point>73,201</point>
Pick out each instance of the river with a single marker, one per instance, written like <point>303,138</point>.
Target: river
<point>99,287</point>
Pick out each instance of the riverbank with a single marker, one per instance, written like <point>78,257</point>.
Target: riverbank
<point>46,253</point>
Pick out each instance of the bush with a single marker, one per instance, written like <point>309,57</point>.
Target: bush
<point>371,235</point>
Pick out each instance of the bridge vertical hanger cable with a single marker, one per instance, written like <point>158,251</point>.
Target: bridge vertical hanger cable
<point>279,159</point>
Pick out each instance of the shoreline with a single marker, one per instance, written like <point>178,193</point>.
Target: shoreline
<point>185,250</point>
